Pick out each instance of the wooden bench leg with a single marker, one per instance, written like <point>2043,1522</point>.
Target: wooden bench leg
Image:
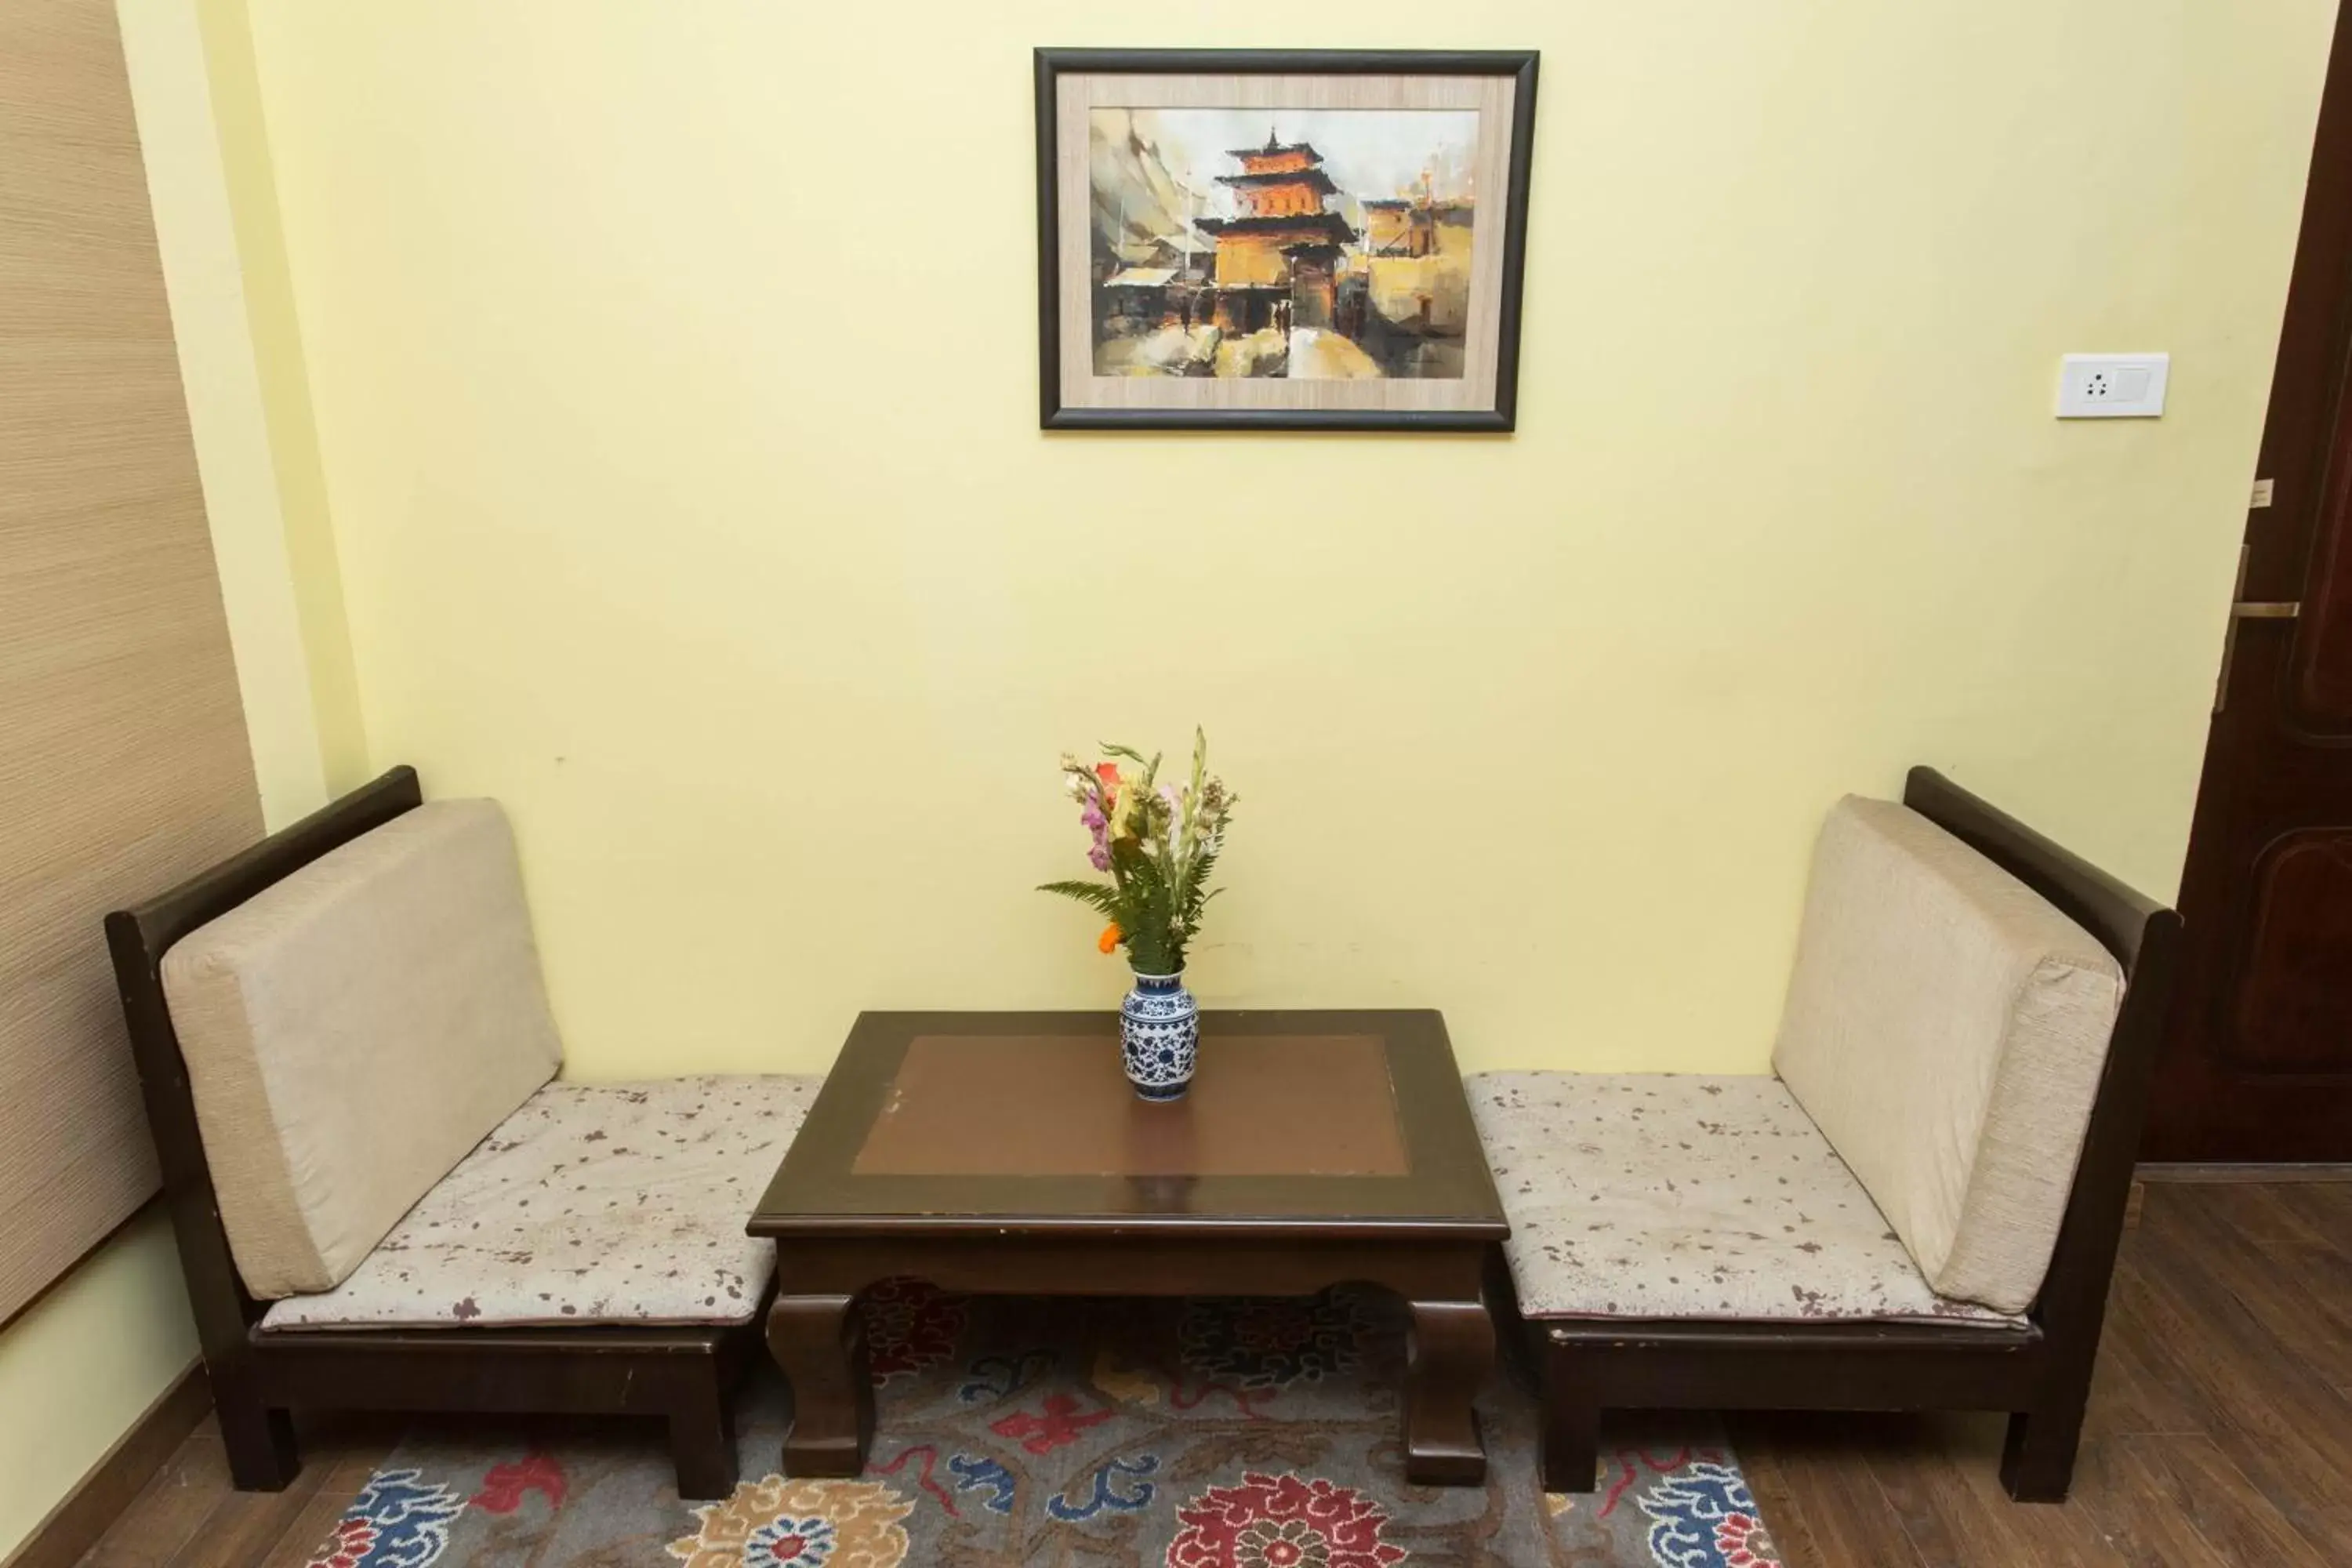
<point>2037,1462</point>
<point>702,1442</point>
<point>259,1440</point>
<point>1571,1422</point>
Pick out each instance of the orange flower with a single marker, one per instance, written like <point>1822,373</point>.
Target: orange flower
<point>1109,938</point>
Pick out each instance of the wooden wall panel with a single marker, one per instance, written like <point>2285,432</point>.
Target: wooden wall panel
<point>124,761</point>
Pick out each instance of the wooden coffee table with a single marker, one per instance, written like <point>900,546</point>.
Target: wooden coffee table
<point>1004,1152</point>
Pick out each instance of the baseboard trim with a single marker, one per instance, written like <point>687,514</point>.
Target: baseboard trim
<point>100,1497</point>
<point>2240,1171</point>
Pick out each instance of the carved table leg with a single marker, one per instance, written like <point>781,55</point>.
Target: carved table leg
<point>1449,1357</point>
<point>819,1342</point>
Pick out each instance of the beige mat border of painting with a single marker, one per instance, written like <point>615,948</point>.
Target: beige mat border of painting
<point>1078,93</point>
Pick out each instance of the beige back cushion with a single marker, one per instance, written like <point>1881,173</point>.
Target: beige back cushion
<point>1945,1029</point>
<point>354,1031</point>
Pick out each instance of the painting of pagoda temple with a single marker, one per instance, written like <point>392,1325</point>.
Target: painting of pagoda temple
<point>1279,261</point>
<point>1331,244</point>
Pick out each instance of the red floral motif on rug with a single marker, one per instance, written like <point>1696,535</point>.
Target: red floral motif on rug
<point>504,1487</point>
<point>1744,1543</point>
<point>1281,1521</point>
<point>909,1326</point>
<point>347,1547</point>
<point>1059,1423</point>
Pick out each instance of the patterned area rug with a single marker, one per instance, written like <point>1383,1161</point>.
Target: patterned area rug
<point>1205,1434</point>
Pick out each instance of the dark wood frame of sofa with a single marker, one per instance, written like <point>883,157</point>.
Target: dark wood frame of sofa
<point>683,1376</point>
<point>2040,1374</point>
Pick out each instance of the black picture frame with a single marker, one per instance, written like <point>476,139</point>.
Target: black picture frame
<point>1052,64</point>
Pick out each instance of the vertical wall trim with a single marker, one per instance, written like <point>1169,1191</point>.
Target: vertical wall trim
<point>240,356</point>
<point>204,281</point>
<point>277,337</point>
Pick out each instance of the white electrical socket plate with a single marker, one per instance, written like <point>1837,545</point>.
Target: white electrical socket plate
<point>2112,387</point>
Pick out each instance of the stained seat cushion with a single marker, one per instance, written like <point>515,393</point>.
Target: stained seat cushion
<point>1671,1195</point>
<point>593,1204</point>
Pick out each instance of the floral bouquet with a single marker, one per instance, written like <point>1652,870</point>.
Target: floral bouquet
<point>1159,842</point>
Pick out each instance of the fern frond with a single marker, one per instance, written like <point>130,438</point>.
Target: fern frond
<point>1095,895</point>
<point>1195,892</point>
<point>1153,944</point>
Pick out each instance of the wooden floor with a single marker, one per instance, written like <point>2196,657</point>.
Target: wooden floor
<point>2220,1432</point>
<point>2219,1428</point>
<point>188,1517</point>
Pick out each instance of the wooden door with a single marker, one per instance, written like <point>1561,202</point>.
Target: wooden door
<point>2259,1063</point>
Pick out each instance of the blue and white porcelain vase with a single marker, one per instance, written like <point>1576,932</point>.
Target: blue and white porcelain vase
<point>1160,1036</point>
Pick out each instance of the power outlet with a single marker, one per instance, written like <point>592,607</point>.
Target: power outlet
<point>2112,387</point>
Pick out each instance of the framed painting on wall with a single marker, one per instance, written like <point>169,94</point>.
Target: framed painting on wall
<point>1281,239</point>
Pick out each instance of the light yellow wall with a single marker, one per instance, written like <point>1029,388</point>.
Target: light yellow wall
<point>78,1368</point>
<point>90,1357</point>
<point>674,377</point>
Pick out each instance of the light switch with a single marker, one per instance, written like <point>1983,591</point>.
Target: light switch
<point>2112,387</point>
